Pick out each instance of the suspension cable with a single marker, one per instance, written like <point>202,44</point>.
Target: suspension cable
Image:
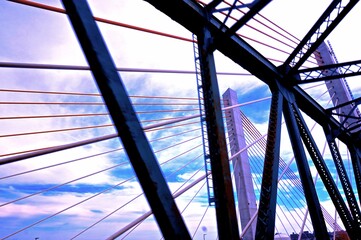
<point>114,211</point>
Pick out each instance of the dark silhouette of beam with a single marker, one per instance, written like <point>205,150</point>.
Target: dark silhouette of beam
<point>318,222</point>
<point>126,122</point>
<point>317,34</point>
<point>222,182</point>
<point>193,17</point>
<point>330,72</point>
<point>268,195</point>
<point>254,9</point>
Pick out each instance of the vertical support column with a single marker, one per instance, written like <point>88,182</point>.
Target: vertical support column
<point>207,163</point>
<point>268,197</point>
<point>313,203</point>
<point>222,182</point>
<point>247,205</point>
<point>126,122</point>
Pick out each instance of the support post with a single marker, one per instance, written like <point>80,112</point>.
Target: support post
<point>222,181</point>
<point>268,195</point>
<point>247,205</point>
<point>313,203</point>
<point>126,122</point>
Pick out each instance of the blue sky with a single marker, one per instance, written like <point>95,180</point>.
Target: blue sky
<point>30,35</point>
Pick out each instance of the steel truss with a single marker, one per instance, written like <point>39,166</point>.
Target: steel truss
<point>221,176</point>
<point>328,21</point>
<point>346,185</point>
<point>327,179</point>
<point>214,34</point>
<point>329,72</point>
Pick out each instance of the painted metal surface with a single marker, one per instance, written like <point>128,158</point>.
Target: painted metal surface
<point>222,182</point>
<point>126,122</point>
<point>355,153</point>
<point>326,176</point>
<point>254,9</point>
<point>313,203</point>
<point>330,72</point>
<point>344,179</point>
<point>268,198</point>
<point>328,21</point>
<point>202,113</point>
<point>195,18</point>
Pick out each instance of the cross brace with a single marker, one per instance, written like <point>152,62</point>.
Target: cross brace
<point>194,17</point>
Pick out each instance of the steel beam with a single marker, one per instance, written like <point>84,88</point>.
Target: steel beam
<point>257,6</point>
<point>356,163</point>
<point>321,116</point>
<point>318,33</point>
<point>222,181</point>
<point>354,102</point>
<point>193,17</point>
<point>350,116</point>
<point>330,72</point>
<point>239,6</point>
<point>326,176</point>
<point>230,9</point>
<point>212,5</point>
<point>268,196</point>
<point>125,120</point>
<point>345,182</point>
<point>313,203</point>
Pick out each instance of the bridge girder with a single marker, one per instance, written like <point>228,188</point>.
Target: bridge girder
<point>194,17</point>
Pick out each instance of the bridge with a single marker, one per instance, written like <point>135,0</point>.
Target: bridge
<point>182,119</point>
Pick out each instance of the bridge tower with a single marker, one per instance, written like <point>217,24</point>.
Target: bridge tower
<point>338,89</point>
<point>247,205</point>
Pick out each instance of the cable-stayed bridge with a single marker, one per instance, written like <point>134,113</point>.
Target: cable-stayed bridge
<point>118,121</point>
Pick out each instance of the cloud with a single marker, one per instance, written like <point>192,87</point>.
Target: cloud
<point>38,36</point>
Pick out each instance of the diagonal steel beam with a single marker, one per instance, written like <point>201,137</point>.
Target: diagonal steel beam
<point>313,203</point>
<point>212,5</point>
<point>345,181</point>
<point>246,5</point>
<point>125,120</point>
<point>356,102</point>
<point>320,115</point>
<point>356,163</point>
<point>193,17</point>
<point>230,9</point>
<point>257,6</point>
<point>326,176</point>
<point>268,196</point>
<point>355,126</point>
<point>328,21</point>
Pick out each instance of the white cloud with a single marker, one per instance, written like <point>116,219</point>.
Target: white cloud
<point>34,35</point>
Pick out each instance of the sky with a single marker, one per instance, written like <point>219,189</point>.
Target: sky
<point>30,35</point>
